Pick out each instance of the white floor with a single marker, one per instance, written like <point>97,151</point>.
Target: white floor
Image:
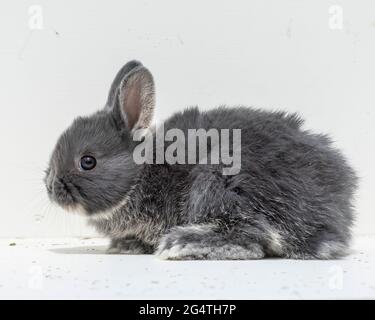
<point>79,269</point>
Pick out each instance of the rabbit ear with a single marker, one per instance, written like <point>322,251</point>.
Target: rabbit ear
<point>137,98</point>
<point>113,92</point>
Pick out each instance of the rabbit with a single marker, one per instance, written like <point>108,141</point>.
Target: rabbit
<point>292,197</point>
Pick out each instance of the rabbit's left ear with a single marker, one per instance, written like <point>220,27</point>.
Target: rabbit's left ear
<point>137,98</point>
<point>113,92</point>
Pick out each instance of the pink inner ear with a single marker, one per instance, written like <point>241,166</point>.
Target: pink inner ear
<point>133,104</point>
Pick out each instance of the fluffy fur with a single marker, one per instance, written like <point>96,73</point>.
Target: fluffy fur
<point>292,198</point>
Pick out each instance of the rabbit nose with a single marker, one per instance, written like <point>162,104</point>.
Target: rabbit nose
<point>61,192</point>
<point>55,185</point>
<point>49,180</point>
<point>59,185</point>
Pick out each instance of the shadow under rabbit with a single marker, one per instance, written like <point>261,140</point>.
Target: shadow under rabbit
<point>81,250</point>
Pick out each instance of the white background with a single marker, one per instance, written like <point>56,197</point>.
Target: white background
<point>269,54</point>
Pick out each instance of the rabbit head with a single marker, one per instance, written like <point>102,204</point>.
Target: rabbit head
<point>91,167</point>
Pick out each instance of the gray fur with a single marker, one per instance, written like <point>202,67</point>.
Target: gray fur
<point>129,246</point>
<point>293,197</point>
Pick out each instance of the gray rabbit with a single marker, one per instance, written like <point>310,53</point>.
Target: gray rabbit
<point>292,197</point>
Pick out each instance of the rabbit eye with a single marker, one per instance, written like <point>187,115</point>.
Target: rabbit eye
<point>87,163</point>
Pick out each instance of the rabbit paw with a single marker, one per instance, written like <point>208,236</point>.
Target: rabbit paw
<point>200,243</point>
<point>129,246</point>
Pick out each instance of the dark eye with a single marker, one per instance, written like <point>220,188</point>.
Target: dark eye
<point>88,163</point>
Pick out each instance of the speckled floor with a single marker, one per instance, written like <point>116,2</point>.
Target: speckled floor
<point>79,269</point>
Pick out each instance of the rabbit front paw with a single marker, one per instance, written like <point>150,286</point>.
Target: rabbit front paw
<point>129,246</point>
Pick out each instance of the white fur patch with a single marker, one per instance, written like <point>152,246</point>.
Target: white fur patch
<point>109,213</point>
<point>197,228</point>
<point>275,244</point>
<point>276,241</point>
<point>331,250</point>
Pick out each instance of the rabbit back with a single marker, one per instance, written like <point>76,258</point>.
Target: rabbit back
<point>294,190</point>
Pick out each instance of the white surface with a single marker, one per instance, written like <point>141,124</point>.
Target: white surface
<point>79,269</point>
<point>270,54</point>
